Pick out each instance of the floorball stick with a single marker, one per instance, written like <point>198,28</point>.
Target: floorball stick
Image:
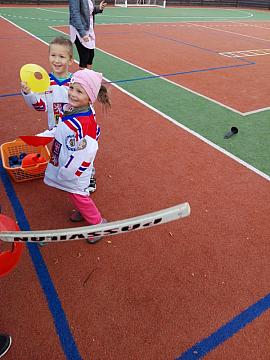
<point>112,228</point>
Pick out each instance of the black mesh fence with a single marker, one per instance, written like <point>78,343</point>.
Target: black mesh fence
<point>34,2</point>
<point>264,4</point>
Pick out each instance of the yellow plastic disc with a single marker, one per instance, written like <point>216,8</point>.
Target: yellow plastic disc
<point>35,77</point>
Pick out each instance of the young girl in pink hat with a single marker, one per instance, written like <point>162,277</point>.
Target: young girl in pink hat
<point>75,145</point>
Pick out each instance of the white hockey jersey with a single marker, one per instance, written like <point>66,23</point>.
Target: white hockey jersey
<point>52,101</point>
<point>73,152</point>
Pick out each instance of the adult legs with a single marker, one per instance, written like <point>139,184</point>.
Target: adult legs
<point>86,55</point>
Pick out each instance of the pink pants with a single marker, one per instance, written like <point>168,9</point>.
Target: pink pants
<point>87,208</point>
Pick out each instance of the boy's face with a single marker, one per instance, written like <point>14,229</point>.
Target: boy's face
<point>77,96</point>
<point>59,59</point>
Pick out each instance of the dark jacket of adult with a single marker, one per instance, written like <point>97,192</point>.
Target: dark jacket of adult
<point>79,15</point>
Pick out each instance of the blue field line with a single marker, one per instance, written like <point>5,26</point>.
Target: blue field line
<point>60,321</point>
<point>196,352</point>
<point>202,348</point>
<point>150,77</point>
<point>181,73</point>
<point>181,42</point>
<point>215,52</point>
<point>197,46</point>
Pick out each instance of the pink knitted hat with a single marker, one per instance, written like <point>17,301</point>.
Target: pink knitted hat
<point>90,81</point>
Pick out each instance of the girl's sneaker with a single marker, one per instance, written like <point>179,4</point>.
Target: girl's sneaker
<point>97,239</point>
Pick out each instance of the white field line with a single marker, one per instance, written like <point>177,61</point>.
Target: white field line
<point>54,11</point>
<point>256,111</point>
<point>174,83</point>
<point>27,32</point>
<point>230,32</point>
<point>163,23</point>
<point>165,79</point>
<point>29,18</point>
<point>252,25</point>
<point>208,142</point>
<point>247,15</point>
<point>245,53</point>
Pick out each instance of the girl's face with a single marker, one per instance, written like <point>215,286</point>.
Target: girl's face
<point>77,96</point>
<point>60,60</point>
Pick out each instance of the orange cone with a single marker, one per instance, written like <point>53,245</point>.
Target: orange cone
<point>9,259</point>
<point>32,160</point>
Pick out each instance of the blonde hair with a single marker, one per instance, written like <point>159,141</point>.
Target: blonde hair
<point>61,40</point>
<point>104,97</point>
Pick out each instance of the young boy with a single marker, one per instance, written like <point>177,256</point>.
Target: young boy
<point>53,100</point>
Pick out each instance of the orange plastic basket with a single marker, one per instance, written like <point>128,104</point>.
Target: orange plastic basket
<point>19,174</point>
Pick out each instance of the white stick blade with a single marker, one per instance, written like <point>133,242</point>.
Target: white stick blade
<point>108,229</point>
